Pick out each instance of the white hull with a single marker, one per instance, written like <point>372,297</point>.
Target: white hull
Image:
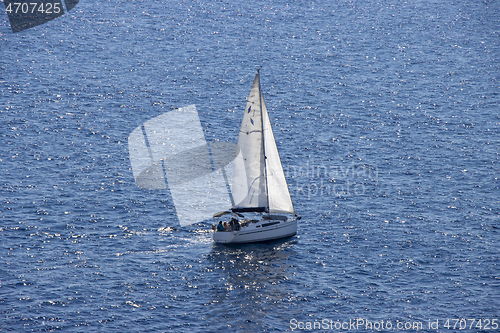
<point>263,230</point>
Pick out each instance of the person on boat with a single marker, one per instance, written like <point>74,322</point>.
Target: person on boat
<point>220,227</point>
<point>226,227</point>
<point>234,224</point>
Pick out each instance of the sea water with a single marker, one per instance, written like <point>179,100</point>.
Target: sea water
<point>386,116</point>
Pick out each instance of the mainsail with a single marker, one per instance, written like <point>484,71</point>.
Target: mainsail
<point>259,182</point>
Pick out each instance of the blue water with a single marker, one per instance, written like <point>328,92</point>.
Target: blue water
<point>387,120</point>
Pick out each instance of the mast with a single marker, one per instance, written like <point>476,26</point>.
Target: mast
<point>263,145</point>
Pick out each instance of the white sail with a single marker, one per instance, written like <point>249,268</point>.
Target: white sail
<point>277,188</point>
<point>259,182</point>
<point>249,191</point>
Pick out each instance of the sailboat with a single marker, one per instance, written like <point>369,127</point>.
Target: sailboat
<point>262,208</point>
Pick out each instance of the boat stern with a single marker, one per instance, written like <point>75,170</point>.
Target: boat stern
<point>223,236</point>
